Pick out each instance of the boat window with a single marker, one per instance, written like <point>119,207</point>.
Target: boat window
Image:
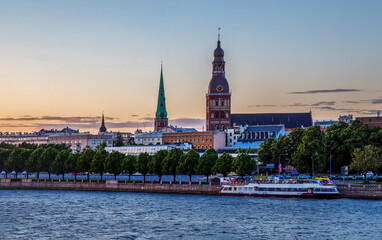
<point>245,189</point>
<point>235,189</point>
<point>250,189</point>
<point>230,189</point>
<point>240,188</point>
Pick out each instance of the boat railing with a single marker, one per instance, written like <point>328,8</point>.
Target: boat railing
<point>270,181</point>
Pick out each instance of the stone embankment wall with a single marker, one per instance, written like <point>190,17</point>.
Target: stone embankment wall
<point>111,185</point>
<point>360,191</point>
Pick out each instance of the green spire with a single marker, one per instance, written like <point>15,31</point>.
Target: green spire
<point>161,109</point>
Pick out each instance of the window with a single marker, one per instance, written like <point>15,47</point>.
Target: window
<point>222,103</point>
<point>217,103</point>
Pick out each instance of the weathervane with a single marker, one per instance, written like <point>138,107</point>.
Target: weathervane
<point>219,33</point>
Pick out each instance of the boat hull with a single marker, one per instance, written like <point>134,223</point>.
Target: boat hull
<point>304,195</point>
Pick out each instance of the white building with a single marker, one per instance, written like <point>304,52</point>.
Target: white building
<point>150,149</point>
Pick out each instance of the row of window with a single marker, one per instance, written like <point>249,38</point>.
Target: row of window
<point>219,115</point>
<point>189,140</point>
<point>250,189</point>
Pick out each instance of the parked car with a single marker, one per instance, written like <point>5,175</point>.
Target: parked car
<point>359,177</point>
<point>13,173</point>
<point>349,178</point>
<point>303,177</point>
<point>3,173</point>
<point>333,177</point>
<point>24,173</point>
<point>341,178</point>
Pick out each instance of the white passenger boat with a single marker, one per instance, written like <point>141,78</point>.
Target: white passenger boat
<point>281,188</point>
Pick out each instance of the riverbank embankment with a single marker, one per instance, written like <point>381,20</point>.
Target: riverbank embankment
<point>112,185</point>
<point>358,191</point>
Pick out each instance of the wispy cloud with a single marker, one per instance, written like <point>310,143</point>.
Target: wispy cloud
<point>338,90</point>
<point>263,105</point>
<point>87,119</point>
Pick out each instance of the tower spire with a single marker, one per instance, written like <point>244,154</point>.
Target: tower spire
<point>161,120</point>
<point>103,127</point>
<point>219,34</point>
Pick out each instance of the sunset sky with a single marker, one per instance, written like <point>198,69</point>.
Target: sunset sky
<point>64,62</point>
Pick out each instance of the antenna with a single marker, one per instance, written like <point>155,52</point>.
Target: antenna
<point>219,33</point>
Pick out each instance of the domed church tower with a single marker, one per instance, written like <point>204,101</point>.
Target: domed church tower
<point>218,98</point>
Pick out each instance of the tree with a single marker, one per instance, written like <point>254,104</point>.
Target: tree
<point>46,158</point>
<point>83,163</point>
<point>97,164</point>
<point>265,152</point>
<point>141,164</point>
<point>250,150</point>
<point>366,159</point>
<point>113,162</point>
<point>223,164</point>
<point>128,165</point>
<point>206,162</point>
<point>31,164</point>
<point>171,162</point>
<point>118,142</point>
<point>17,158</point>
<point>239,150</point>
<point>155,165</point>
<point>189,163</point>
<point>71,163</point>
<point>4,155</point>
<point>311,150</point>
<point>57,166</point>
<point>243,164</point>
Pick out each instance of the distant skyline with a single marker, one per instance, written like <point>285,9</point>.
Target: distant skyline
<point>64,62</point>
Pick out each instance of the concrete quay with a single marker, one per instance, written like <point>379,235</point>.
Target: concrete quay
<point>111,185</point>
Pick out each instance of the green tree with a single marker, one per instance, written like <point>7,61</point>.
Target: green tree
<point>243,164</point>
<point>366,159</point>
<point>128,165</point>
<point>57,166</point>
<point>4,155</point>
<point>141,164</point>
<point>171,162</point>
<point>83,163</point>
<point>265,152</point>
<point>311,150</point>
<point>189,163</point>
<point>295,139</point>
<point>113,162</point>
<point>46,158</point>
<point>223,164</point>
<point>206,162</point>
<point>250,150</point>
<point>31,165</point>
<point>239,150</point>
<point>155,165</point>
<point>17,158</point>
<point>118,142</point>
<point>97,164</point>
<point>71,163</point>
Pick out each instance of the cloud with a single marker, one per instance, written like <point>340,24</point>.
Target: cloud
<point>338,90</point>
<point>134,115</point>
<point>263,105</point>
<point>87,119</point>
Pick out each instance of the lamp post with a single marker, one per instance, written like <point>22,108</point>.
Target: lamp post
<point>312,167</point>
<point>330,160</point>
<point>282,154</point>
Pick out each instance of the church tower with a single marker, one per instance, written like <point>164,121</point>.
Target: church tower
<point>218,98</point>
<point>103,128</point>
<point>161,120</point>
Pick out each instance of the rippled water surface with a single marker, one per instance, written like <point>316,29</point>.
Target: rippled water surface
<point>32,214</point>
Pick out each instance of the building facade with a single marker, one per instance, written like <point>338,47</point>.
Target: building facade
<point>372,121</point>
<point>151,138</point>
<point>79,141</point>
<point>199,140</point>
<point>161,120</point>
<point>218,98</point>
<point>138,149</point>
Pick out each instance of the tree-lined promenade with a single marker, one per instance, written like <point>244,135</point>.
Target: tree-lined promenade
<point>355,145</point>
<point>58,160</point>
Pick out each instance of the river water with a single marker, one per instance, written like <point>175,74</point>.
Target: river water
<point>35,214</point>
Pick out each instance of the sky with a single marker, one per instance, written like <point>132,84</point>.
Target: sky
<point>62,63</point>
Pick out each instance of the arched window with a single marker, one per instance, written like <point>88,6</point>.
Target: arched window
<point>212,115</point>
<point>217,103</point>
<point>222,102</point>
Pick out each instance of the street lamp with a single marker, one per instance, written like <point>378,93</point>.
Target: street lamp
<point>312,168</point>
<point>330,165</point>
<point>282,154</point>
